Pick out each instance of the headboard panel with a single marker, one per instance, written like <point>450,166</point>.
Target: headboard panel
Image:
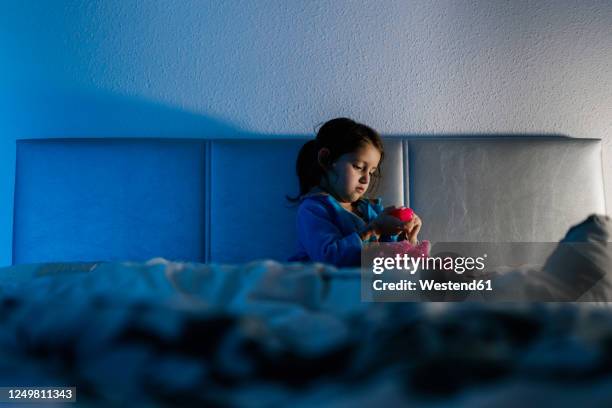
<point>109,199</point>
<point>248,184</point>
<point>504,190</point>
<point>223,200</point>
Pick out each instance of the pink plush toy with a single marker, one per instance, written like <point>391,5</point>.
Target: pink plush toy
<point>403,214</point>
<point>420,250</point>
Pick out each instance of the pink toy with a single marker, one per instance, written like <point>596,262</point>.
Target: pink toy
<point>403,214</point>
<point>420,250</point>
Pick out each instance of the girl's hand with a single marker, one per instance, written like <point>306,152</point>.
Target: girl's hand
<point>386,224</point>
<point>412,228</point>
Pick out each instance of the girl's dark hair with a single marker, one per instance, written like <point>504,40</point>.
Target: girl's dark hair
<point>340,136</point>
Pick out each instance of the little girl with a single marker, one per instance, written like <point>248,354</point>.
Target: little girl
<point>334,218</point>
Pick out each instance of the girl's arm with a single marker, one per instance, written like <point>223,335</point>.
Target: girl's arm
<point>322,239</point>
<point>367,231</point>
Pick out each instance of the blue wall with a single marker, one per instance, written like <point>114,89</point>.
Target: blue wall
<point>198,69</point>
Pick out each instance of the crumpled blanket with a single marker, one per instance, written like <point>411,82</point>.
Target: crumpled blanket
<point>276,334</point>
<point>158,330</point>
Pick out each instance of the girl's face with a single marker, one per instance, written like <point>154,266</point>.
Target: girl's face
<point>350,175</point>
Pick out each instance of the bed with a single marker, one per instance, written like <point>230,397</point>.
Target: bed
<point>153,271</point>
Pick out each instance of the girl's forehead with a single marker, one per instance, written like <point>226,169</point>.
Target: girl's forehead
<point>367,153</point>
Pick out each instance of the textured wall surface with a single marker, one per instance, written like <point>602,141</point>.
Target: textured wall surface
<point>256,68</point>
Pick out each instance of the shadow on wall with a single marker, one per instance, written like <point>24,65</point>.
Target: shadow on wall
<point>38,110</point>
<point>44,112</point>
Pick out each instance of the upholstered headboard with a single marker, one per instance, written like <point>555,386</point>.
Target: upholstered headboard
<point>223,200</point>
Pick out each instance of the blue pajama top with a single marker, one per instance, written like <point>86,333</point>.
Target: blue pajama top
<point>327,232</point>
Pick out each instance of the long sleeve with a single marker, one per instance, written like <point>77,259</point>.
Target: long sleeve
<point>322,239</point>
<point>376,209</point>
